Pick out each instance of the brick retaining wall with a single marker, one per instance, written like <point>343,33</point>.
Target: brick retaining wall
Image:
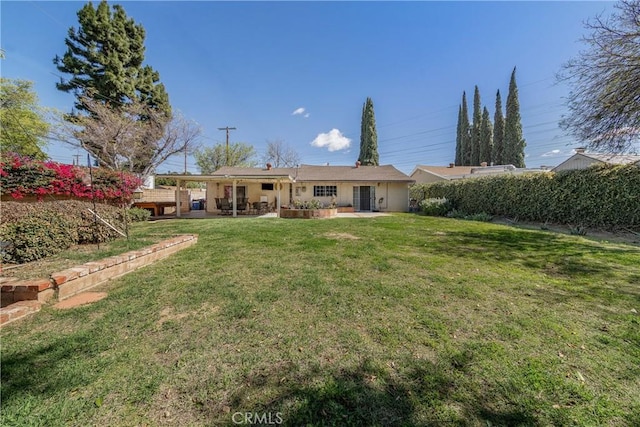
<point>64,284</point>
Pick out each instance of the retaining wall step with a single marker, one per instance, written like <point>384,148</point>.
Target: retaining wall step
<point>67,283</point>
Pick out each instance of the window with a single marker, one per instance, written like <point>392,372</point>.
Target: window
<point>267,186</point>
<point>325,190</point>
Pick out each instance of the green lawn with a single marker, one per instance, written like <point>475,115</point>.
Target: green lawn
<point>402,320</point>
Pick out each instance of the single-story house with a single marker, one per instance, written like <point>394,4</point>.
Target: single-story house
<point>582,160</point>
<point>365,188</point>
<point>427,174</point>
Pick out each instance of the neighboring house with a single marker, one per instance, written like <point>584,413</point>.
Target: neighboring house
<point>427,174</point>
<point>365,188</point>
<point>582,160</point>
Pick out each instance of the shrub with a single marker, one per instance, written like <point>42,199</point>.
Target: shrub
<point>435,206</point>
<point>139,215</point>
<point>22,177</point>
<point>37,237</point>
<point>601,196</point>
<point>40,229</point>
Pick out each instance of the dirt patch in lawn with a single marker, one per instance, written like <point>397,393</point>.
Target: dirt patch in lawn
<point>80,299</point>
<point>341,236</point>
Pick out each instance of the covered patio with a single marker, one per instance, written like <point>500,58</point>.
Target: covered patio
<point>238,190</point>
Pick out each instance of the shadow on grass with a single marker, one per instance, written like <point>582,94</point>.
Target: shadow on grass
<point>47,368</point>
<point>370,396</point>
<point>550,254</point>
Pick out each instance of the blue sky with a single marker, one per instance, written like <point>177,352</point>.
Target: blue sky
<point>300,72</point>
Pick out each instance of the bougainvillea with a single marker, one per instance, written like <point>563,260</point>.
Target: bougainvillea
<point>23,177</point>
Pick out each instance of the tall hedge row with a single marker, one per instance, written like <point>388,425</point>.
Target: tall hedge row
<point>599,197</point>
<point>31,231</point>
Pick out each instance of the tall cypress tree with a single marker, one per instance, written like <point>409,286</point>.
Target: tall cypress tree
<point>498,133</point>
<point>459,139</point>
<point>368,136</point>
<point>465,137</point>
<point>105,57</point>
<point>486,138</point>
<point>514,142</point>
<point>475,129</point>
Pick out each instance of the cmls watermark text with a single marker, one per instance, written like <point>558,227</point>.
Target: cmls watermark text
<point>254,418</point>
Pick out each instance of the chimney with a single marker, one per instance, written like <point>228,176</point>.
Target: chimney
<point>358,164</point>
<point>268,166</point>
<point>452,165</point>
<point>580,150</point>
<point>483,164</point>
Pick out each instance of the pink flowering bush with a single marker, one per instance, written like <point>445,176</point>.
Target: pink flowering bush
<point>22,177</point>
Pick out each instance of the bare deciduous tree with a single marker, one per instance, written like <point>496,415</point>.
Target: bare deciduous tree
<point>604,102</point>
<point>281,155</point>
<point>131,137</point>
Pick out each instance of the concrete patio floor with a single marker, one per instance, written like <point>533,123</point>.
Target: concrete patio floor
<point>203,214</point>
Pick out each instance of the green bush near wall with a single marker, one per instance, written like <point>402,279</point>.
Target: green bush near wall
<point>598,197</point>
<point>31,231</point>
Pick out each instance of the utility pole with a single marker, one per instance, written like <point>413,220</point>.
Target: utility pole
<point>76,160</point>
<point>226,163</point>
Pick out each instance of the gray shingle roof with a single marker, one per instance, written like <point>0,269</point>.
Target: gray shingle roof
<point>384,173</point>
<point>614,159</point>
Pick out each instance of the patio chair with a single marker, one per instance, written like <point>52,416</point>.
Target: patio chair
<point>225,207</point>
<point>242,205</point>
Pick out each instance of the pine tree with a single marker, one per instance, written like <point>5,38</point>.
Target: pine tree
<point>475,129</point>
<point>368,136</point>
<point>486,138</point>
<point>498,133</point>
<point>514,142</point>
<point>105,57</point>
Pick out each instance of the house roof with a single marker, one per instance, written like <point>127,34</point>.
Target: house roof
<point>449,172</point>
<point>613,159</point>
<point>308,173</point>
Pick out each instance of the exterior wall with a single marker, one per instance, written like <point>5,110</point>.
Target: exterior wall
<point>423,177</point>
<point>396,195</point>
<point>576,162</point>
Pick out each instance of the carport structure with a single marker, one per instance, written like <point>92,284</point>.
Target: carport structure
<point>231,178</point>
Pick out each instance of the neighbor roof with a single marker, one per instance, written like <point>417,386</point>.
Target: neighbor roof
<point>448,172</point>
<point>614,159</point>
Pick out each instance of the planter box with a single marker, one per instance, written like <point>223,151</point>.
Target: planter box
<point>346,209</point>
<point>308,213</point>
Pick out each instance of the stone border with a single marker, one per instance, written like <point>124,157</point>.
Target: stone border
<point>309,213</point>
<point>21,297</point>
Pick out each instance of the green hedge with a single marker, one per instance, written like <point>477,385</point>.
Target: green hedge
<point>599,197</point>
<point>31,231</point>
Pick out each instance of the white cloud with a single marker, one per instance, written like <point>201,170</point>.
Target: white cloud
<point>298,111</point>
<point>552,153</point>
<point>306,116</point>
<point>334,140</point>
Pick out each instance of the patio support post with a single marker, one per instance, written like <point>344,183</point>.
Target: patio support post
<point>178,201</point>
<point>234,198</point>
<point>278,201</point>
